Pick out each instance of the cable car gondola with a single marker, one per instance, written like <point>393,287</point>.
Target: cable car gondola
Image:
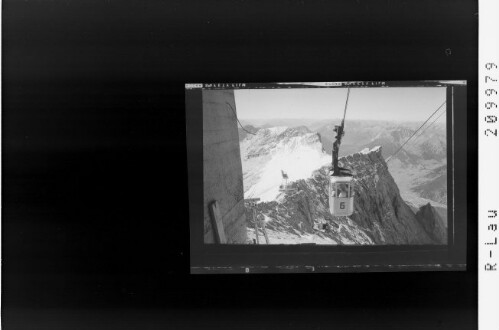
<point>341,195</point>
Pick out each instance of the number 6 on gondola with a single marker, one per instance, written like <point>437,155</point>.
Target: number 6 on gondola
<point>341,195</point>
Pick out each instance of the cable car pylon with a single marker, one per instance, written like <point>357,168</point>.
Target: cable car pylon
<point>285,185</point>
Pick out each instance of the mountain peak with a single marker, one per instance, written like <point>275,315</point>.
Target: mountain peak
<point>361,162</point>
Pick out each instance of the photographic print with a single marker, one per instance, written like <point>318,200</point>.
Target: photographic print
<point>326,164</point>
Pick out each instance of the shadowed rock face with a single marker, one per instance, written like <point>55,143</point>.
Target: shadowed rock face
<point>379,209</point>
<point>432,223</point>
<point>381,216</point>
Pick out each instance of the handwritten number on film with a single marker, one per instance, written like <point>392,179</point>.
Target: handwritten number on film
<point>490,91</point>
<point>491,104</point>
<point>491,118</point>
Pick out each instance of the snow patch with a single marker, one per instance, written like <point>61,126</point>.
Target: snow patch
<point>272,152</point>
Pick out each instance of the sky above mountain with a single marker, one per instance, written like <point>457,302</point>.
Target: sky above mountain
<point>393,104</point>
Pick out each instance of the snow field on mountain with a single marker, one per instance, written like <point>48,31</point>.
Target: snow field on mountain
<point>298,156</point>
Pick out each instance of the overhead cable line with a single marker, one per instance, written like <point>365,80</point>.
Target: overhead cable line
<point>346,104</point>
<point>433,122</point>
<point>388,159</point>
<point>244,129</point>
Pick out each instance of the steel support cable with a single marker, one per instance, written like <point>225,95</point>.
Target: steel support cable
<point>388,159</point>
<point>433,122</point>
<point>234,112</point>
<point>346,104</point>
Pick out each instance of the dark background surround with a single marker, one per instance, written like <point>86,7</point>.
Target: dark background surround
<point>95,230</point>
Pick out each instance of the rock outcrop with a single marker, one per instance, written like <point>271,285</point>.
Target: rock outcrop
<point>432,223</point>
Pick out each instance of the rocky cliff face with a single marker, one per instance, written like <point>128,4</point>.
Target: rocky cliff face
<point>379,208</point>
<point>432,223</point>
<point>381,216</point>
